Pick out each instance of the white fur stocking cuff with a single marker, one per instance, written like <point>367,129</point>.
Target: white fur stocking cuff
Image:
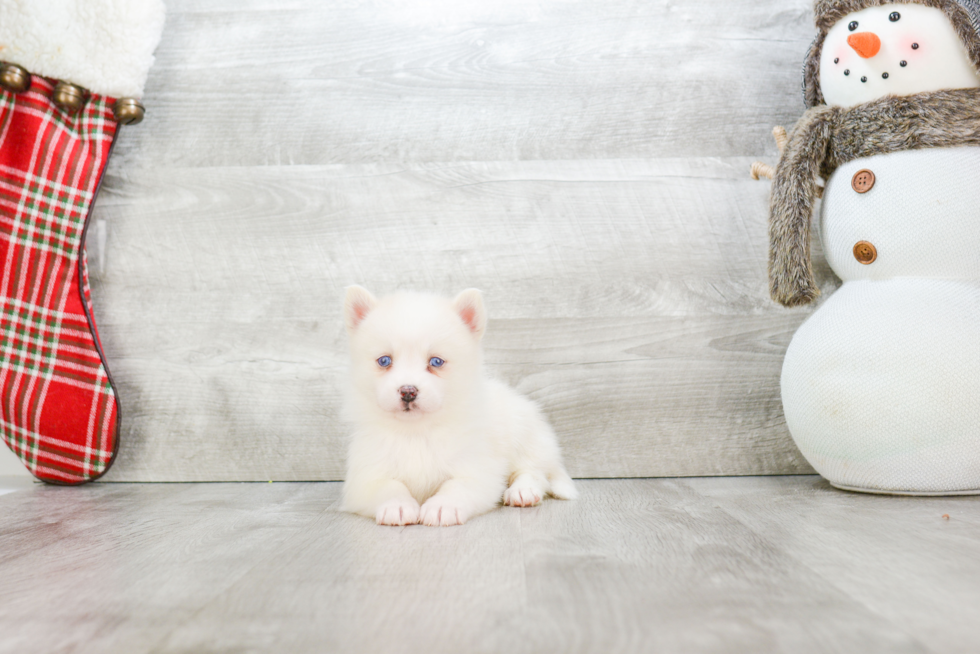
<point>105,46</point>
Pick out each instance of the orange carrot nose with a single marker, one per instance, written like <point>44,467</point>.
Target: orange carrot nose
<point>866,44</point>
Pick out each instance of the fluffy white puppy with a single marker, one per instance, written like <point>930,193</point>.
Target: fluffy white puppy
<point>435,440</point>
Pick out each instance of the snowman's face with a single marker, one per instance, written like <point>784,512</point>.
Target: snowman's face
<point>895,49</point>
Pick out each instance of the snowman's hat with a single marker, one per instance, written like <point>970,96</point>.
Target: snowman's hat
<point>963,14</point>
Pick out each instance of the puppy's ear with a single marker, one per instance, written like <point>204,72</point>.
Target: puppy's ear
<point>357,305</point>
<point>469,306</point>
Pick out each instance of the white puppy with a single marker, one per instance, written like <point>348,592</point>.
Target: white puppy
<point>435,441</point>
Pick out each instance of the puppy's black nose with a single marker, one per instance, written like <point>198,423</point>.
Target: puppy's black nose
<point>408,393</point>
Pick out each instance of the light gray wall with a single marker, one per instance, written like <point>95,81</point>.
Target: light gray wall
<point>10,465</point>
<point>584,163</point>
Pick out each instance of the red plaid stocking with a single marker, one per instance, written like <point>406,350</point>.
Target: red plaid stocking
<point>58,410</point>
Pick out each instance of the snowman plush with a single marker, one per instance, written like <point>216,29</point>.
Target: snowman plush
<point>881,385</point>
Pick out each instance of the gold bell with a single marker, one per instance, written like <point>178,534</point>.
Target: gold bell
<point>128,111</point>
<point>68,96</point>
<point>14,78</point>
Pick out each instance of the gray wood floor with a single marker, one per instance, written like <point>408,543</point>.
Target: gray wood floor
<point>583,163</point>
<point>756,564</point>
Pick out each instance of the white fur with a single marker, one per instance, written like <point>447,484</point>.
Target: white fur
<point>940,62</point>
<point>466,443</point>
<point>105,46</point>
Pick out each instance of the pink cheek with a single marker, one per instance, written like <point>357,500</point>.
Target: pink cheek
<point>907,51</point>
<point>843,54</point>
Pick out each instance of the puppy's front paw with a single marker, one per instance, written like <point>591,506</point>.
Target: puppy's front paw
<point>398,512</point>
<point>521,494</point>
<point>441,512</point>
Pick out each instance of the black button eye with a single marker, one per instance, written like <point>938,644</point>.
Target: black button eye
<point>894,16</point>
<point>853,25</point>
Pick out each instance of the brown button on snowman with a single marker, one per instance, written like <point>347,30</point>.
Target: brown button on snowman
<point>881,385</point>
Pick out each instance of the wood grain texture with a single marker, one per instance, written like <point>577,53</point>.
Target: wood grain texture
<point>585,166</point>
<point>631,309</point>
<point>767,565</point>
<point>267,82</point>
<point>904,574</point>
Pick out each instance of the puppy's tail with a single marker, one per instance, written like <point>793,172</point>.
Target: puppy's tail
<point>562,486</point>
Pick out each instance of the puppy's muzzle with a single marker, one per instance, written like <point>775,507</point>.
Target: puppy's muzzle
<point>409,394</point>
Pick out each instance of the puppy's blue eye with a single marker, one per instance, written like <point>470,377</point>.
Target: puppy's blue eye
<point>384,361</point>
<point>436,362</point>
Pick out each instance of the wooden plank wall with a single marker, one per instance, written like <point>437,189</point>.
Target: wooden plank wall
<point>584,163</point>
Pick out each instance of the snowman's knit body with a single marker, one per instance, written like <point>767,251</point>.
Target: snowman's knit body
<point>922,214</point>
<point>881,386</point>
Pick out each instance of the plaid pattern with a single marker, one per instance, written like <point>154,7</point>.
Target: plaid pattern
<point>58,411</point>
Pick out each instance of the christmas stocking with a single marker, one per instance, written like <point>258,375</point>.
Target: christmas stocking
<point>71,73</point>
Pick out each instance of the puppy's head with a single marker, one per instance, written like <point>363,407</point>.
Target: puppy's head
<point>414,355</point>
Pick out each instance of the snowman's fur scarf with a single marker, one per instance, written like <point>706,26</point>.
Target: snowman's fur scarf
<point>828,12</point>
<point>828,137</point>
